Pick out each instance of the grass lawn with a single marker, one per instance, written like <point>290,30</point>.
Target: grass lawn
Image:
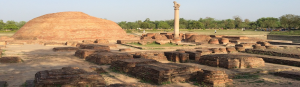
<point>7,33</point>
<point>292,32</point>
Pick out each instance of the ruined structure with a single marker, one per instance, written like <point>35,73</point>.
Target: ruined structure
<point>69,26</point>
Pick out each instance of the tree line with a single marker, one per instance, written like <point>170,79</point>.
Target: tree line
<point>285,21</point>
<point>11,25</point>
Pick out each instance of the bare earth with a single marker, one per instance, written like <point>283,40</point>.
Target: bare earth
<point>38,57</point>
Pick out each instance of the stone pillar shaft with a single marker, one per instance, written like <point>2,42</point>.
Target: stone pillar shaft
<point>176,20</point>
<point>176,23</point>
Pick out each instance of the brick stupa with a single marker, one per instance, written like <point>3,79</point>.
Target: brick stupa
<point>69,26</point>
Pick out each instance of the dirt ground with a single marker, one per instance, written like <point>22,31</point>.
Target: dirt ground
<point>38,57</point>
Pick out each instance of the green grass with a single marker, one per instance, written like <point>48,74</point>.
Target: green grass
<point>292,32</point>
<point>8,31</point>
<point>153,44</point>
<point>246,76</point>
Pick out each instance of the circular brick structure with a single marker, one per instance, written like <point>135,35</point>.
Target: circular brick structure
<point>69,26</point>
<point>224,40</point>
<point>213,41</point>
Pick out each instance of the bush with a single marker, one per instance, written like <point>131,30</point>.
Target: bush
<point>128,31</point>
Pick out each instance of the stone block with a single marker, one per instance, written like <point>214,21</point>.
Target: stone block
<point>127,65</point>
<point>94,46</point>
<point>107,57</point>
<point>102,41</point>
<point>125,49</point>
<point>10,59</point>
<point>60,49</point>
<point>83,53</point>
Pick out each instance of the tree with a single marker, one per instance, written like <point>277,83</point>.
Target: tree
<point>152,25</point>
<point>147,20</point>
<point>2,24</point>
<point>123,25</point>
<point>145,25</point>
<point>163,25</point>
<point>289,21</point>
<point>21,24</point>
<point>229,24</point>
<point>208,21</point>
<point>11,27</point>
<point>133,25</point>
<point>237,21</point>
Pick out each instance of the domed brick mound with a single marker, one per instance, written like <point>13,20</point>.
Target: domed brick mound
<point>69,26</point>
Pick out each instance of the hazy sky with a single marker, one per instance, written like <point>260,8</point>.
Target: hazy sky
<point>132,10</point>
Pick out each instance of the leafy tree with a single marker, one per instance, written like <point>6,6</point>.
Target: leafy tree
<point>133,25</point>
<point>237,21</point>
<point>163,25</point>
<point>289,21</point>
<point>145,25</point>
<point>182,26</point>
<point>2,24</point>
<point>147,20</point>
<point>21,24</point>
<point>123,25</point>
<point>11,27</point>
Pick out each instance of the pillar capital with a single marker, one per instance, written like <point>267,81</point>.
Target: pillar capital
<point>176,5</point>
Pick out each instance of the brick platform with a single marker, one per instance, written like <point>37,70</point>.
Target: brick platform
<point>232,61</point>
<point>289,74</point>
<point>156,55</point>
<point>68,76</point>
<point>193,55</point>
<point>165,72</point>
<point>127,65</point>
<point>94,46</point>
<point>83,53</point>
<point>107,57</point>
<point>214,78</point>
<point>177,56</point>
<point>10,60</point>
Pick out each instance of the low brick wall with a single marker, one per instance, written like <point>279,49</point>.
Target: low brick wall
<point>295,39</point>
